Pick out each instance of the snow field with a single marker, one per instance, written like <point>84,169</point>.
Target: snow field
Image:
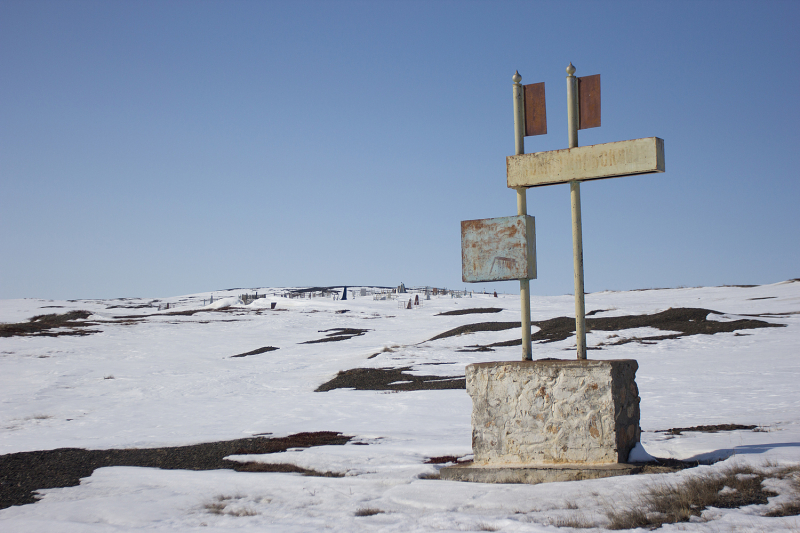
<point>170,380</point>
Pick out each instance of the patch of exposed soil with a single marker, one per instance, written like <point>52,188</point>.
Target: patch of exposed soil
<point>24,472</point>
<point>391,379</point>
<point>594,312</point>
<point>685,320</point>
<point>474,310</point>
<point>442,459</point>
<point>708,429</point>
<point>257,351</point>
<point>474,328</point>
<point>667,466</point>
<point>339,334</point>
<point>189,312</point>
<point>285,467</point>
<point>478,348</point>
<point>668,503</point>
<point>787,509</point>
<point>40,325</point>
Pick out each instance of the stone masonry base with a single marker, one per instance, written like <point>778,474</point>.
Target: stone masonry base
<point>555,420</point>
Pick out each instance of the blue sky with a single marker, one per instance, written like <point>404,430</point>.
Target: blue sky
<point>164,148</point>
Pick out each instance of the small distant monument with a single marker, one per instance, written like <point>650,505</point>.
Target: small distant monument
<point>550,420</point>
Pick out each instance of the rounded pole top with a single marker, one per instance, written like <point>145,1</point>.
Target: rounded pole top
<point>516,78</point>
<point>570,69</point>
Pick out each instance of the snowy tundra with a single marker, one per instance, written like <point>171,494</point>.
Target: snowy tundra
<point>129,375</point>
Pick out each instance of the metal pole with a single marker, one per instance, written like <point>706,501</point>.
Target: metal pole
<point>577,229</point>
<point>522,209</point>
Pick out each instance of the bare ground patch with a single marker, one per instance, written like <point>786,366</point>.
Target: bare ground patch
<point>441,459</point>
<point>24,472</point>
<point>257,351</point>
<point>285,467</point>
<point>473,310</point>
<point>368,511</point>
<point>338,334</point>
<point>685,321</point>
<point>41,325</point>
<point>667,503</point>
<point>708,429</point>
<point>390,379</point>
<point>474,328</point>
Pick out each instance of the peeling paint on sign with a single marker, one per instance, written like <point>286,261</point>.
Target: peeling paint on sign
<point>498,249</point>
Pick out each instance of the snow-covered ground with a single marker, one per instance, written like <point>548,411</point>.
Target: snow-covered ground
<point>170,380</point>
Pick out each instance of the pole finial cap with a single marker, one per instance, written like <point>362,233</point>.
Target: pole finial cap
<point>570,69</point>
<point>516,78</point>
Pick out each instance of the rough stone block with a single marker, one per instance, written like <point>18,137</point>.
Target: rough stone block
<point>553,412</point>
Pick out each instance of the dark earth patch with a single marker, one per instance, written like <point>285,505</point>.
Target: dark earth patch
<point>474,328</point>
<point>787,509</point>
<point>285,467</point>
<point>344,331</point>
<point>189,312</point>
<point>387,378</point>
<point>442,459</point>
<point>674,503</point>
<point>666,466</point>
<point>474,310</point>
<point>257,351</point>
<point>40,325</point>
<point>368,512</point>
<point>339,334</point>
<point>685,320</point>
<point>478,348</point>
<point>24,472</point>
<point>708,429</point>
<point>386,349</point>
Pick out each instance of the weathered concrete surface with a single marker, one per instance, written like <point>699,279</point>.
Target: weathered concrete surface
<point>528,413</point>
<point>534,474</point>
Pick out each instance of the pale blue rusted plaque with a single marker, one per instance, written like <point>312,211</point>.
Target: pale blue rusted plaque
<point>498,249</point>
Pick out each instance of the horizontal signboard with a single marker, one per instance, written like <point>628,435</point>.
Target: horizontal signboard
<point>498,249</point>
<point>598,161</point>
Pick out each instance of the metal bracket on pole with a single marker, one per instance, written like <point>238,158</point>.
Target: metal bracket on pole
<point>522,209</point>
<point>573,119</point>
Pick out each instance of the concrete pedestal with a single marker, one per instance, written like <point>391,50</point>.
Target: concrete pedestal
<point>535,421</point>
<point>533,474</point>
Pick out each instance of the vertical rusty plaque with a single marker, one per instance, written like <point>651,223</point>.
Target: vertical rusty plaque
<point>498,249</point>
<point>535,112</point>
<point>589,102</point>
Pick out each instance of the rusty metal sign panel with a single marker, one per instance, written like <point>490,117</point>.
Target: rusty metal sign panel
<point>597,161</point>
<point>498,249</point>
<point>535,111</point>
<point>589,102</point>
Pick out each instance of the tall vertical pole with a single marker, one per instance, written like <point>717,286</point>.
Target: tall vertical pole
<point>577,229</point>
<point>522,209</point>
